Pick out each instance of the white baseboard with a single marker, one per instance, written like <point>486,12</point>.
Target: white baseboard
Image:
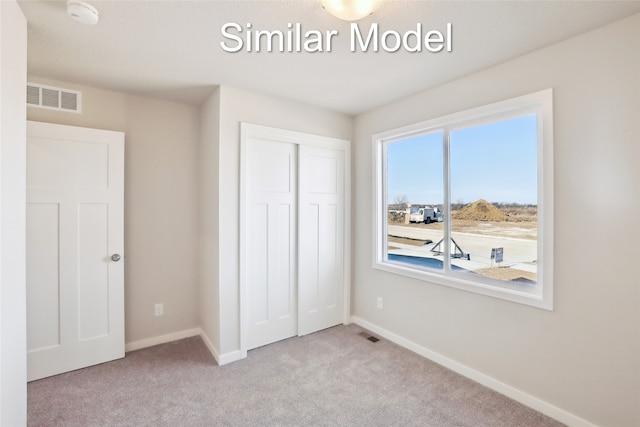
<point>231,357</point>
<point>212,349</point>
<point>174,336</point>
<point>222,359</point>
<point>494,384</point>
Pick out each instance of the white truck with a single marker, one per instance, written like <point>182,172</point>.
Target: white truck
<point>426,214</point>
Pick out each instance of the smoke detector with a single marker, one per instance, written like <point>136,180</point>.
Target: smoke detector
<point>82,12</point>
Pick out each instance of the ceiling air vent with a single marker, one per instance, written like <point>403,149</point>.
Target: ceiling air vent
<point>54,98</point>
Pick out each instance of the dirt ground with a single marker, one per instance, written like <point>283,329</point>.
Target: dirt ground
<point>519,230</point>
<point>407,241</point>
<point>503,273</point>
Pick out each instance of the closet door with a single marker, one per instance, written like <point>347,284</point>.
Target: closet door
<point>321,243</point>
<point>293,235</point>
<point>271,241</point>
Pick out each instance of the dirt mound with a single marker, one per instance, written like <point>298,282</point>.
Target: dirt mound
<point>480,210</point>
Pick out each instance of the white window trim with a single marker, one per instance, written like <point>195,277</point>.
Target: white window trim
<point>541,295</point>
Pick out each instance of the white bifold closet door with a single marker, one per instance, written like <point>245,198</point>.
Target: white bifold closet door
<point>293,245</point>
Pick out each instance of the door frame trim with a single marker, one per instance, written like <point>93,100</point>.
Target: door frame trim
<point>247,131</point>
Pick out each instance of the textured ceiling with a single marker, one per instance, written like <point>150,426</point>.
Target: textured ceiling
<point>171,49</point>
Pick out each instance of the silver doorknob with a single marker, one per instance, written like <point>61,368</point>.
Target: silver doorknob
<point>115,257</point>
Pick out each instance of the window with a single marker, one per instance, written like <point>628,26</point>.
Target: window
<point>466,200</point>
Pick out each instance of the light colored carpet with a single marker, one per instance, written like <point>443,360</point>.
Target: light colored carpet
<point>334,377</point>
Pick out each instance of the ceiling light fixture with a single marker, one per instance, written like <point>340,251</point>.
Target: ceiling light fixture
<point>350,10</point>
<point>82,12</point>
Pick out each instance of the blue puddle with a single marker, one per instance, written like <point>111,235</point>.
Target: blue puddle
<point>420,261</point>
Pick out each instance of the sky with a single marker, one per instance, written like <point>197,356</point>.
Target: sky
<point>496,162</point>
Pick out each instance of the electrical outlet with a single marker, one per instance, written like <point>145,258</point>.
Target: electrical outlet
<point>159,309</point>
<point>380,303</point>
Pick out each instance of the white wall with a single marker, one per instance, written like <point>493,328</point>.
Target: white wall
<point>237,106</point>
<point>13,330</point>
<point>161,217</point>
<point>161,205</point>
<point>582,359</point>
<point>209,255</point>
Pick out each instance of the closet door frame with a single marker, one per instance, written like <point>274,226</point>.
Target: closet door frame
<point>249,131</point>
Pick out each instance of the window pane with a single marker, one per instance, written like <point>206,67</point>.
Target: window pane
<point>414,200</point>
<point>494,221</point>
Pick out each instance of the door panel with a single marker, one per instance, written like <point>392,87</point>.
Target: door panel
<point>321,255</point>
<point>259,257</point>
<point>85,164</point>
<point>271,231</point>
<point>43,273</point>
<point>93,275</point>
<point>75,222</point>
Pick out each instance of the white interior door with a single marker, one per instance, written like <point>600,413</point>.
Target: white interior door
<point>271,233</point>
<point>293,234</point>
<point>75,242</point>
<point>321,227</point>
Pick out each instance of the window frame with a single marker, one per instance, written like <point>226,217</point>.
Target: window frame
<point>539,103</point>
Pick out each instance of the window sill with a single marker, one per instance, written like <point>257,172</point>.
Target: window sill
<point>530,295</point>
